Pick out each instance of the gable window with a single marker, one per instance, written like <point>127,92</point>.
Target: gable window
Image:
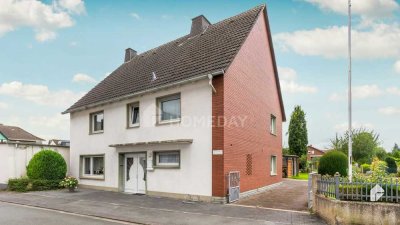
<point>97,122</point>
<point>169,108</point>
<point>273,125</point>
<point>167,159</point>
<point>273,165</point>
<point>133,115</point>
<point>92,166</point>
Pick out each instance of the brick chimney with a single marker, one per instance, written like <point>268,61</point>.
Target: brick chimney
<point>129,54</point>
<point>199,24</point>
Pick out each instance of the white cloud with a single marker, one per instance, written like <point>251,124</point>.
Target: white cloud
<point>396,66</point>
<point>331,42</point>
<point>359,92</point>
<point>365,8</point>
<point>389,111</point>
<point>83,78</point>
<point>44,19</point>
<point>288,82</point>
<point>73,6</point>
<point>39,94</point>
<point>393,90</point>
<point>136,16</point>
<point>356,125</point>
<point>3,105</point>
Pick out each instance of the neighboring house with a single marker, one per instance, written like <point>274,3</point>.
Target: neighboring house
<point>176,120</point>
<point>290,166</point>
<point>59,142</point>
<point>313,155</point>
<point>17,147</point>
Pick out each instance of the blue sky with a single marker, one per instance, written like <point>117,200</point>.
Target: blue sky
<point>52,55</point>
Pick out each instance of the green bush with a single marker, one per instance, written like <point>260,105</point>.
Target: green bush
<point>332,162</point>
<point>47,165</point>
<point>19,185</point>
<point>25,184</point>
<point>391,165</point>
<point>366,167</point>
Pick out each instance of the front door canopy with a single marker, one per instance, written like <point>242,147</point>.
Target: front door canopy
<point>176,141</point>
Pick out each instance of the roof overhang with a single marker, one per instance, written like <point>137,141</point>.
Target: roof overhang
<point>125,97</point>
<point>175,141</point>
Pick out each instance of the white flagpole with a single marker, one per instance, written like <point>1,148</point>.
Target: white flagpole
<point>350,152</point>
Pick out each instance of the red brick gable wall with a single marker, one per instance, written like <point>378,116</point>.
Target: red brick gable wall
<point>250,91</point>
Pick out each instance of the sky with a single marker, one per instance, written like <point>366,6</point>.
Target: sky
<point>53,52</point>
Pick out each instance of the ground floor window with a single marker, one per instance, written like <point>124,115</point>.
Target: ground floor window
<point>273,165</point>
<point>167,159</point>
<point>92,166</point>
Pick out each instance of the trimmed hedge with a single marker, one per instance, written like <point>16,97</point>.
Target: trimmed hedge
<point>47,165</point>
<point>332,162</point>
<point>25,184</point>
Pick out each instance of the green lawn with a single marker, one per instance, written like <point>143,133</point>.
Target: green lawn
<point>301,176</point>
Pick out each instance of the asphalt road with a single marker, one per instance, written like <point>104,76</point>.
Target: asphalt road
<point>12,214</point>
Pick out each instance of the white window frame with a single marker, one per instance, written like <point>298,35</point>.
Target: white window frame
<point>159,108</point>
<point>274,165</point>
<point>91,175</point>
<point>273,124</point>
<point>130,111</point>
<point>167,165</point>
<point>92,122</point>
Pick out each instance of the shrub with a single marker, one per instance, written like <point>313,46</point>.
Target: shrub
<point>366,167</point>
<point>391,165</point>
<point>47,165</point>
<point>69,182</point>
<point>19,185</point>
<point>332,162</point>
<point>25,184</point>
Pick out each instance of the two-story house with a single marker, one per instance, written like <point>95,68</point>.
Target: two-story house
<point>177,119</point>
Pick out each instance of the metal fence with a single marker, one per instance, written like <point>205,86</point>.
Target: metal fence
<point>342,189</point>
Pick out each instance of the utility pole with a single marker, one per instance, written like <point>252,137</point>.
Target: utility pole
<point>350,131</point>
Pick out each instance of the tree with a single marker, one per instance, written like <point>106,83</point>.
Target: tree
<point>365,142</point>
<point>380,153</point>
<point>332,162</point>
<point>396,151</point>
<point>298,137</point>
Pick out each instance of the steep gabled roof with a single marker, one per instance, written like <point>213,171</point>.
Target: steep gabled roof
<point>13,133</point>
<point>182,59</point>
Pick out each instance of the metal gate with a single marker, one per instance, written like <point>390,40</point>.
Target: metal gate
<point>234,186</point>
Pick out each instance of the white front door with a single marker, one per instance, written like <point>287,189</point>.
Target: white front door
<point>135,177</point>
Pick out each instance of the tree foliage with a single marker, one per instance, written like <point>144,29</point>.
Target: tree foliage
<point>365,145</point>
<point>391,165</point>
<point>298,137</point>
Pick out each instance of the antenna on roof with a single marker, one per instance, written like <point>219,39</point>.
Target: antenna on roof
<point>154,76</point>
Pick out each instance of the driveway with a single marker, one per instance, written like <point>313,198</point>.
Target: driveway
<point>290,195</point>
<point>153,210</point>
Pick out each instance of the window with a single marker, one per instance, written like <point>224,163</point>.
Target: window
<point>167,159</point>
<point>97,122</point>
<point>273,124</point>
<point>93,166</point>
<point>133,115</point>
<point>169,108</point>
<point>249,164</point>
<point>273,165</point>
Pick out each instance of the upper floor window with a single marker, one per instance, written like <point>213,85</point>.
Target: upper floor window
<point>97,122</point>
<point>133,115</point>
<point>273,125</point>
<point>169,108</point>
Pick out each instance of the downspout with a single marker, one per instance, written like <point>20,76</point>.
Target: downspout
<point>210,76</point>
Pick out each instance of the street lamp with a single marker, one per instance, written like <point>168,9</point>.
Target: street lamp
<point>350,132</point>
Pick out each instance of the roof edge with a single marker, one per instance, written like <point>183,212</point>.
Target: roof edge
<point>124,97</point>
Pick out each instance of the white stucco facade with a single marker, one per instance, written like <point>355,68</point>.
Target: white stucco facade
<point>194,175</point>
<point>14,158</point>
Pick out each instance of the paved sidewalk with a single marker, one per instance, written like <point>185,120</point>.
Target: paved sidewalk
<point>153,210</point>
<point>290,195</point>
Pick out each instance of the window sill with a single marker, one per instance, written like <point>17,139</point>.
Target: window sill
<point>92,178</point>
<point>166,167</point>
<point>273,174</point>
<point>273,134</point>
<point>133,126</point>
<point>166,122</point>
<point>97,132</point>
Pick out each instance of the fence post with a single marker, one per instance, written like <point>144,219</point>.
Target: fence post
<point>337,175</point>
